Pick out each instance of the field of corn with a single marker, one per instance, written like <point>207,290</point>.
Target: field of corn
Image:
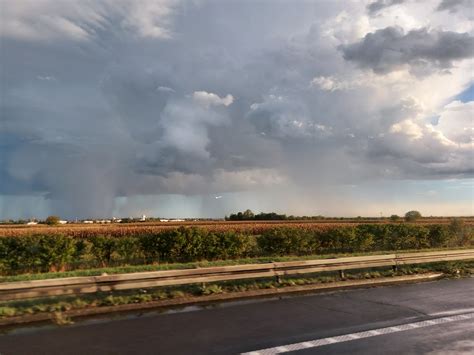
<point>42,248</point>
<point>80,230</point>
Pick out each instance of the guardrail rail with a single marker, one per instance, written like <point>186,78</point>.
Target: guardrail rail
<point>91,284</point>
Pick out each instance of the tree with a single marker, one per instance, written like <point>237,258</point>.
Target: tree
<point>412,216</point>
<point>52,220</point>
<point>456,225</point>
<point>394,217</point>
<point>248,214</point>
<point>461,234</point>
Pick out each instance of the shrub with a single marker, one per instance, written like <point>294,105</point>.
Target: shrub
<point>128,249</point>
<point>102,248</point>
<point>55,252</point>
<point>287,241</point>
<point>340,239</point>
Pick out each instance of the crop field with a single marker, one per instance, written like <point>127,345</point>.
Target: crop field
<point>248,227</point>
<point>42,248</point>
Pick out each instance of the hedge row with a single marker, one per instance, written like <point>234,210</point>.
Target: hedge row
<point>362,238</point>
<point>58,252</point>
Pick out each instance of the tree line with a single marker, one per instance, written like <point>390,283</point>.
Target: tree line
<point>248,215</point>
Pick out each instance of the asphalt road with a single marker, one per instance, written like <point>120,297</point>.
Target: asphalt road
<point>435,317</point>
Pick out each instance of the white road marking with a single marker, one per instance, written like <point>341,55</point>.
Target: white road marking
<point>452,313</point>
<point>354,336</point>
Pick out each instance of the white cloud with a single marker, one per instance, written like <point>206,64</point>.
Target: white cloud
<point>185,122</point>
<point>329,83</point>
<point>165,89</point>
<point>207,99</point>
<point>408,128</point>
<point>348,25</point>
<point>456,122</point>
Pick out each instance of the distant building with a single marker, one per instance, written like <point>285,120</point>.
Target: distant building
<point>164,220</point>
<point>143,219</point>
<point>88,222</point>
<point>32,223</point>
<point>61,221</point>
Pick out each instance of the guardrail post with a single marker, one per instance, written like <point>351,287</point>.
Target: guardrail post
<point>341,274</point>
<point>395,266</point>
<point>277,276</point>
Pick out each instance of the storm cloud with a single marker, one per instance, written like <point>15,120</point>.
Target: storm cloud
<point>124,107</point>
<point>376,6</point>
<point>390,49</point>
<point>454,5</point>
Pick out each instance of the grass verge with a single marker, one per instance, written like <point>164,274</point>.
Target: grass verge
<point>57,305</point>
<point>192,265</point>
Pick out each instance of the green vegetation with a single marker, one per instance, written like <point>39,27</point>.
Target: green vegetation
<point>412,216</point>
<point>57,305</point>
<point>179,266</point>
<point>52,220</point>
<point>43,253</point>
<point>248,215</point>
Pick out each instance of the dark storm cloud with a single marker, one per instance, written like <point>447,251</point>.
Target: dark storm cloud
<point>107,99</point>
<point>453,6</point>
<point>391,48</point>
<point>376,6</point>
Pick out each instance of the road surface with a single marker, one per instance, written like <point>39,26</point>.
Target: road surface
<point>435,317</point>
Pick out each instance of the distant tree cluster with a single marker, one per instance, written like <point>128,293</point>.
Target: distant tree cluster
<point>248,215</point>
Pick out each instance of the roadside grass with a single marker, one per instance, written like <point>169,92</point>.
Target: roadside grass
<point>57,305</point>
<point>194,265</point>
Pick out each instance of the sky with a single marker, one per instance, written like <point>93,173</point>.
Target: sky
<point>202,108</point>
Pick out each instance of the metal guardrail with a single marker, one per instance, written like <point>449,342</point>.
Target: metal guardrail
<point>79,285</point>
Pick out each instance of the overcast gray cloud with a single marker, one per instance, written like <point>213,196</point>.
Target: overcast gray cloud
<point>390,48</point>
<point>454,5</point>
<point>376,6</point>
<point>104,102</point>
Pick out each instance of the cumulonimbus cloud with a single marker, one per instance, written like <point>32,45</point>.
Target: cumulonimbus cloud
<point>187,101</point>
